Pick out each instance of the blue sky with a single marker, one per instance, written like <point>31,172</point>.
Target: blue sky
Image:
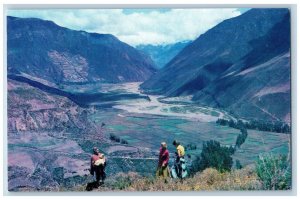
<point>137,26</point>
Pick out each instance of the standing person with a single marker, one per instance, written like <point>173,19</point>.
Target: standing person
<point>98,163</point>
<point>180,152</point>
<point>163,161</point>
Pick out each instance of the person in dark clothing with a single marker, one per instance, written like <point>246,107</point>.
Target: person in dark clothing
<point>98,163</point>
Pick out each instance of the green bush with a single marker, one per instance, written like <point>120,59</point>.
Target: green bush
<point>274,172</point>
<point>122,183</point>
<point>117,139</point>
<point>191,146</point>
<point>216,156</point>
<point>124,141</point>
<point>238,164</point>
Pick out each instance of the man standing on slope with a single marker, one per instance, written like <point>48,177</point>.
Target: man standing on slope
<point>163,168</point>
<point>179,158</point>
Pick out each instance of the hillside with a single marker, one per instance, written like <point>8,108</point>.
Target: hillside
<point>208,180</point>
<point>241,65</point>
<point>47,51</point>
<point>50,140</point>
<point>259,84</point>
<point>41,129</point>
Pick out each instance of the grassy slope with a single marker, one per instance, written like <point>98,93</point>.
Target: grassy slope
<point>208,180</point>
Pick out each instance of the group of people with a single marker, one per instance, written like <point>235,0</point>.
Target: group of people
<point>178,170</point>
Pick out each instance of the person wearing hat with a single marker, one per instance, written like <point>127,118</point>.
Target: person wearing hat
<point>98,163</point>
<point>163,161</point>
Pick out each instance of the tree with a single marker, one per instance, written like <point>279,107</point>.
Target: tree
<point>240,124</point>
<point>231,124</point>
<point>222,122</point>
<point>216,156</point>
<point>241,138</point>
<point>286,128</point>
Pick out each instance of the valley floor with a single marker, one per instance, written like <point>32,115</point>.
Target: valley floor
<point>50,138</point>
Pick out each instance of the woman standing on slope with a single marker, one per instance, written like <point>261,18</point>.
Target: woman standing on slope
<point>98,163</point>
<point>163,161</point>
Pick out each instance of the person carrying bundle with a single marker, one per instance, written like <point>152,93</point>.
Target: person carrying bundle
<point>98,164</point>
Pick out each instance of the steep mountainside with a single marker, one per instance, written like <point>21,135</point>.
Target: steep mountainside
<point>162,54</point>
<point>42,129</point>
<point>45,50</point>
<point>259,84</point>
<point>50,140</point>
<point>241,65</point>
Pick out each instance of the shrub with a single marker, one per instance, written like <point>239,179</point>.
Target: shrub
<point>191,146</point>
<point>216,156</point>
<point>238,164</point>
<point>274,172</point>
<point>112,137</point>
<point>122,183</point>
<point>124,141</point>
<point>117,139</point>
<point>195,166</point>
<point>207,180</point>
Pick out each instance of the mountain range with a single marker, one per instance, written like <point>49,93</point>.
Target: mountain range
<point>44,50</point>
<point>162,54</point>
<point>241,65</point>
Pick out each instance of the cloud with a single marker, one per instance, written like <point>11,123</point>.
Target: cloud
<point>152,26</point>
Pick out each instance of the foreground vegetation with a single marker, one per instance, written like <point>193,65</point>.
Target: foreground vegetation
<point>274,171</point>
<point>208,180</point>
<point>211,170</point>
<point>270,172</point>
